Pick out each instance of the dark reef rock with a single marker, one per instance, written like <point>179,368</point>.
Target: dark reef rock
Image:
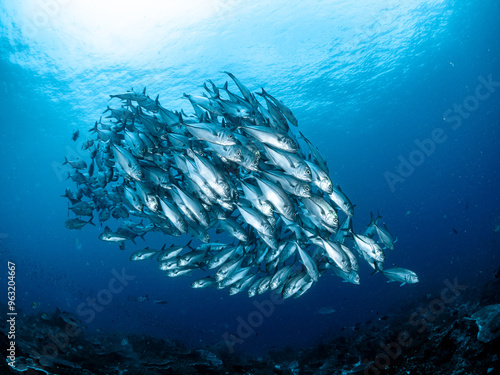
<point>427,336</point>
<point>488,321</point>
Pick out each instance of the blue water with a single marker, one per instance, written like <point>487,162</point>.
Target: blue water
<point>365,81</point>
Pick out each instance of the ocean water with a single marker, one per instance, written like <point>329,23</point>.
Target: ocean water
<point>402,99</point>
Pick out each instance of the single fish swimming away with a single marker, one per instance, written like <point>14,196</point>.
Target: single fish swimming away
<point>233,166</point>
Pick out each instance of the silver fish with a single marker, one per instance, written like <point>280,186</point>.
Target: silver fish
<point>402,275</point>
<point>309,263</point>
<point>77,223</point>
<point>284,109</point>
<point>320,178</point>
<point>385,236</point>
<point>255,219</point>
<point>290,184</point>
<point>341,201</point>
<point>143,254</point>
<point>173,214</point>
<point>77,164</point>
<point>325,213</point>
<point>290,163</point>
<point>272,137</point>
<point>211,133</point>
<point>204,282</point>
<point>127,162</point>
<point>277,197</point>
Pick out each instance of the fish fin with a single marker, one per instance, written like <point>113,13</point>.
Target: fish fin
<point>107,229</point>
<point>206,87</point>
<point>402,284</point>
<point>201,266</point>
<point>133,241</point>
<point>377,269</point>
<point>263,93</point>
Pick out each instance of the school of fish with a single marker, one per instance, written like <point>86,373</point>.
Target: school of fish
<point>233,167</point>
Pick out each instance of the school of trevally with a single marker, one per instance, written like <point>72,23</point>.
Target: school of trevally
<point>222,187</point>
<point>234,165</point>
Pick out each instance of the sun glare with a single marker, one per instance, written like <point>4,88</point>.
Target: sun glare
<point>112,25</point>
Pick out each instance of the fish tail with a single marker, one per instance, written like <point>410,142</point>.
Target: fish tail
<point>202,266</point>
<point>94,128</point>
<point>263,93</point>
<point>65,161</point>
<point>377,269</point>
<point>90,221</point>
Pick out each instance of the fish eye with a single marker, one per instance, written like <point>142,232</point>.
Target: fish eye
<point>308,171</point>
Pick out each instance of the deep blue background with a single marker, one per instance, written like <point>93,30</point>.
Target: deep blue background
<point>364,82</point>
